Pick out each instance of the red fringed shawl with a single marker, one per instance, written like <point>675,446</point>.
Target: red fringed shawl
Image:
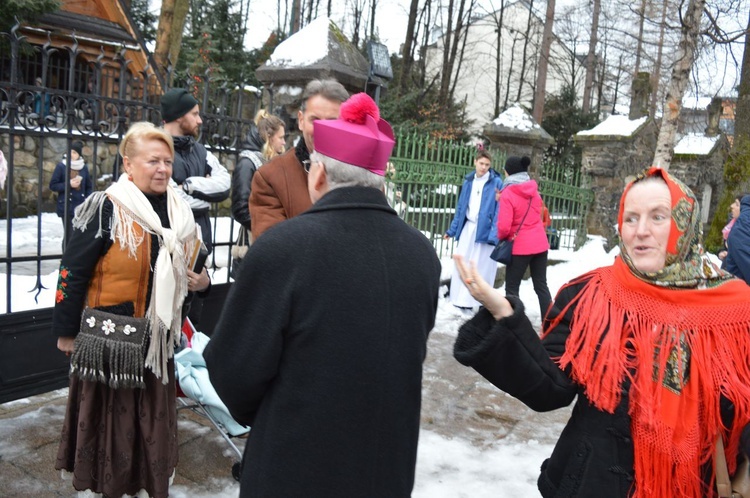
<point>681,350</point>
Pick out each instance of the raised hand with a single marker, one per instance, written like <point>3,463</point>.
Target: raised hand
<point>481,290</point>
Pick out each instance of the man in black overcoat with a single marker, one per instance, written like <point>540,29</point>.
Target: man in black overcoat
<point>321,341</point>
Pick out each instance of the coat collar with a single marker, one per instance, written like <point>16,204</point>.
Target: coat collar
<point>352,198</point>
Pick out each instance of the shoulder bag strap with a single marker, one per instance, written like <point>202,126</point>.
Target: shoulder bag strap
<point>522,220</point>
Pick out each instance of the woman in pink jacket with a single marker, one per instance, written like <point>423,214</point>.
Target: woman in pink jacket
<point>519,216</point>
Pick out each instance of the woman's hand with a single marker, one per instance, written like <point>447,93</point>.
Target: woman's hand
<point>198,282</point>
<point>482,291</point>
<point>65,344</point>
<point>722,255</point>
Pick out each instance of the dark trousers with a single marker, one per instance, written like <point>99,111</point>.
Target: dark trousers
<point>537,263</point>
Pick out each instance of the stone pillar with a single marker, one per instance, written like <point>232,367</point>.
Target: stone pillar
<point>699,162</point>
<point>515,133</point>
<point>607,160</point>
<point>641,95</point>
<point>715,110</point>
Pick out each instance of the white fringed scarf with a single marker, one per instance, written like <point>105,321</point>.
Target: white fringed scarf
<point>170,271</point>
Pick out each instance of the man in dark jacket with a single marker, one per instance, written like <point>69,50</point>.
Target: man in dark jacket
<point>279,191</point>
<point>322,339</point>
<point>198,174</point>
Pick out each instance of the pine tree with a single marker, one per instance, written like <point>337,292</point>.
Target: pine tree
<point>145,20</point>
<point>25,11</point>
<point>563,118</point>
<point>215,41</point>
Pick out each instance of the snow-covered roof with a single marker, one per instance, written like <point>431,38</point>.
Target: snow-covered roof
<point>615,125</point>
<point>516,117</point>
<point>693,102</point>
<point>695,144</point>
<point>306,47</point>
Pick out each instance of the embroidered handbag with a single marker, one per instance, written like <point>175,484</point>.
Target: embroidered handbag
<point>110,349</point>
<point>503,251</point>
<point>739,485</point>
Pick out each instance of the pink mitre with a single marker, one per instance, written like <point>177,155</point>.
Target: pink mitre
<point>358,137</point>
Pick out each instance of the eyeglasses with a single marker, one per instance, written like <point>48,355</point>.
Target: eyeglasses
<point>306,164</point>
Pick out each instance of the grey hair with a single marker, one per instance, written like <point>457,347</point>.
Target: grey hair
<point>329,89</point>
<point>341,174</point>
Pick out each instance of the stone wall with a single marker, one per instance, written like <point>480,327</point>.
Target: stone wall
<point>607,161</point>
<point>26,170</point>
<point>702,171</point>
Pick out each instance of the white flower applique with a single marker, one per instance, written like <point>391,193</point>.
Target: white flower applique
<point>127,329</point>
<point>91,321</point>
<point>108,326</point>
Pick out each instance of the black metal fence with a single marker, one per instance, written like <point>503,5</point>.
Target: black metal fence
<point>51,96</point>
<point>54,92</point>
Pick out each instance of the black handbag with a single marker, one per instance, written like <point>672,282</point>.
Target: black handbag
<point>503,251</point>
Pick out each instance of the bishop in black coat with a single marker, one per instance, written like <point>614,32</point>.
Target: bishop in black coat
<point>320,349</point>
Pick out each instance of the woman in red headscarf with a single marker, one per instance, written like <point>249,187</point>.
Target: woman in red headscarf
<point>655,347</point>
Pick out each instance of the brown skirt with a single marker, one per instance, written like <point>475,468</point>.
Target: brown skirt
<point>119,441</point>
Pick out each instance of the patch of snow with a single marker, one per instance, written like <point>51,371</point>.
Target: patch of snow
<point>616,125</point>
<point>695,144</point>
<point>307,46</point>
<point>289,90</point>
<point>693,102</point>
<point>516,117</point>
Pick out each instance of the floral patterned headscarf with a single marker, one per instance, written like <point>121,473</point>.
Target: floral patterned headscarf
<point>686,265</point>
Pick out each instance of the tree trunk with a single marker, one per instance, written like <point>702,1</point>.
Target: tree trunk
<point>163,31</point>
<point>639,41</point>
<point>373,7</point>
<point>591,58</point>
<point>522,75</point>
<point>541,76</point>
<point>181,8</point>
<point>460,59</point>
<point>498,59</point>
<point>678,83</point>
<point>742,112</point>
<point>169,33</point>
<point>445,74</point>
<point>357,20</point>
<point>656,75</point>
<point>454,61</point>
<point>510,73</point>
<point>296,12</point>
<point>407,58</point>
